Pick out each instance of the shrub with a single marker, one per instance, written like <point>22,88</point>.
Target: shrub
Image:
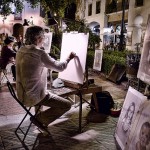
<point>109,59</point>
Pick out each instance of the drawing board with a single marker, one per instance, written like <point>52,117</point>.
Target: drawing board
<point>47,42</point>
<point>144,67</point>
<point>74,42</point>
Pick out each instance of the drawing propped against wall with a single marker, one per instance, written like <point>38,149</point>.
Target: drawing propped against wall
<point>74,42</point>
<point>144,68</point>
<point>98,60</point>
<point>47,42</point>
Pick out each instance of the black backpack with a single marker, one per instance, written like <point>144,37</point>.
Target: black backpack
<point>105,102</point>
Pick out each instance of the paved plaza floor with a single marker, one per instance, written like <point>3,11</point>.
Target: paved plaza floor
<point>97,133</point>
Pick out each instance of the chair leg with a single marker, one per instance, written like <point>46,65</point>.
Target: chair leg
<point>18,128</point>
<point>31,122</point>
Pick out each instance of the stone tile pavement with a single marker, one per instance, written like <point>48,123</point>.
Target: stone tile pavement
<point>11,113</point>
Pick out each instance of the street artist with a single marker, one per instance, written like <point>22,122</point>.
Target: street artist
<point>32,63</point>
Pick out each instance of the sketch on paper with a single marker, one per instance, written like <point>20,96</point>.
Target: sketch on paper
<point>47,42</point>
<point>144,67</point>
<point>98,60</point>
<point>131,105</point>
<point>74,42</point>
<point>140,137</point>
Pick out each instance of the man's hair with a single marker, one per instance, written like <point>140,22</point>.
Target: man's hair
<point>32,34</point>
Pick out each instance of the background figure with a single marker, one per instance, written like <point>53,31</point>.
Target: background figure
<point>127,120</point>
<point>8,54</point>
<point>144,137</point>
<point>19,41</point>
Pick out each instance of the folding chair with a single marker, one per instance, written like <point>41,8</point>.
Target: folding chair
<point>2,76</point>
<point>3,73</point>
<point>27,110</point>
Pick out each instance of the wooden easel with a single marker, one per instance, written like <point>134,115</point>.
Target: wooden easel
<point>81,89</point>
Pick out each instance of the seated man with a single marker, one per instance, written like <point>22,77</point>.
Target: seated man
<point>8,55</point>
<point>32,63</point>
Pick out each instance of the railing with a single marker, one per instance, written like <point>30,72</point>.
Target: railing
<point>111,9</point>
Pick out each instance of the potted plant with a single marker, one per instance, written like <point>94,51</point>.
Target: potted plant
<point>116,110</point>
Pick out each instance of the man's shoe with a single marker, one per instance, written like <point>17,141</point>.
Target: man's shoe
<point>38,124</point>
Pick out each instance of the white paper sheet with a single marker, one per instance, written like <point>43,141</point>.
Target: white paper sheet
<point>74,42</point>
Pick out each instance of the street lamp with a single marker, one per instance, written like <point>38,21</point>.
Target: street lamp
<point>121,43</point>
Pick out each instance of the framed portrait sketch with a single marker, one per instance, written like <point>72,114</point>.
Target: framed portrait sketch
<point>131,105</point>
<point>129,38</point>
<point>47,42</point>
<point>98,60</point>
<point>144,67</point>
<point>140,138</point>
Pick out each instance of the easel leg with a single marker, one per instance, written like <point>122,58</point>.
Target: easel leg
<point>80,113</point>
<point>138,87</point>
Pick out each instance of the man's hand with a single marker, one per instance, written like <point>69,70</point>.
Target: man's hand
<point>71,56</point>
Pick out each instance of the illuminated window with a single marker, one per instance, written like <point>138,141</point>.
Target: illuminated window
<point>90,10</point>
<point>98,7</point>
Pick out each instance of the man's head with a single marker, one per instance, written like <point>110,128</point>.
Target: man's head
<point>9,40</point>
<point>34,35</point>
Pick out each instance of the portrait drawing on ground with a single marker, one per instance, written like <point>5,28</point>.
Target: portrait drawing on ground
<point>131,105</point>
<point>140,138</point>
<point>98,60</point>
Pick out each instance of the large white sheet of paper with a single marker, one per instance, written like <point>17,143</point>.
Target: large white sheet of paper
<point>74,42</point>
<point>47,42</point>
<point>144,68</point>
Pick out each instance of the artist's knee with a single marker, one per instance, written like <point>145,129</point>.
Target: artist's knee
<point>67,105</point>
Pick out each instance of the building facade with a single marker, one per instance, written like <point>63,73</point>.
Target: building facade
<point>13,24</point>
<point>108,18</point>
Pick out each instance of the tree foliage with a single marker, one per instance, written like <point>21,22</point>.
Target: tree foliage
<point>54,6</point>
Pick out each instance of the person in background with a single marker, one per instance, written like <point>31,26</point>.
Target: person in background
<point>19,41</point>
<point>8,55</point>
<point>32,63</point>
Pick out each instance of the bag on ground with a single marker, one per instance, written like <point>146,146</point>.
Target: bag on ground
<point>105,102</point>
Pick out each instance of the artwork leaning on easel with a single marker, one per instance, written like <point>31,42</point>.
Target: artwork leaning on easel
<point>74,42</point>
